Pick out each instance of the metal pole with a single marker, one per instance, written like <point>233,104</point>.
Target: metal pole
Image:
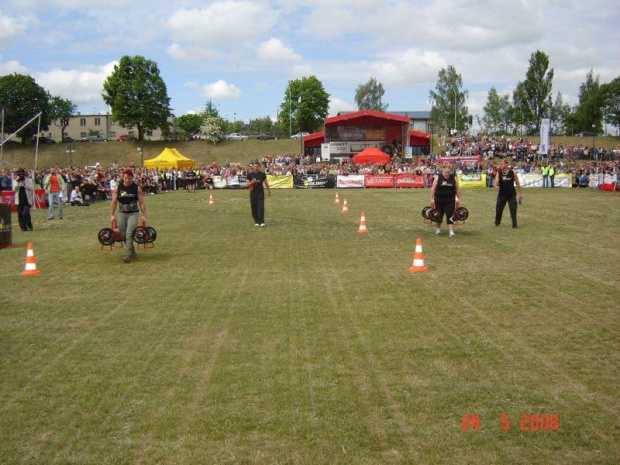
<point>455,109</point>
<point>36,148</point>
<point>290,111</point>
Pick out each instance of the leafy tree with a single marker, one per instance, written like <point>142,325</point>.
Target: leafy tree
<point>497,112</point>
<point>212,129</point>
<point>369,96</point>
<point>61,111</point>
<point>590,107</point>
<point>22,98</point>
<point>532,94</point>
<point>211,110</point>
<point>304,107</point>
<point>190,124</point>
<point>137,95</point>
<point>559,115</point>
<point>611,102</point>
<point>449,110</point>
<point>261,125</point>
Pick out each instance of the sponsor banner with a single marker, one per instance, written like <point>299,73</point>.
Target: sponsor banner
<point>310,181</point>
<point>468,181</point>
<point>545,125</point>
<point>280,181</point>
<point>40,199</point>
<point>325,153</point>
<point>379,180</point>
<point>219,182</point>
<point>236,182</point>
<point>409,180</point>
<point>354,180</point>
<point>597,179</point>
<point>457,159</point>
<point>340,148</point>
<point>536,180</point>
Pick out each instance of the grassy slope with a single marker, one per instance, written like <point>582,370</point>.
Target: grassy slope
<point>234,151</point>
<point>305,342</point>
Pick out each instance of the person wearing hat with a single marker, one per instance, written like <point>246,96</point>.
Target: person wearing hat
<point>129,198</point>
<point>23,186</point>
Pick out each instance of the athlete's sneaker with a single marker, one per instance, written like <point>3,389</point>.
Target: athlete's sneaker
<point>262,225</point>
<point>452,234</point>
<point>438,231</point>
<point>256,225</point>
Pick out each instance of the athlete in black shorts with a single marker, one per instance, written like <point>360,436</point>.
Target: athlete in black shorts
<point>445,194</point>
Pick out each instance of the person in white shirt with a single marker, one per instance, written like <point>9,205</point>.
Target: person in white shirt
<point>76,198</point>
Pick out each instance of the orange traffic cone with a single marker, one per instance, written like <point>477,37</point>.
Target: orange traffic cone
<point>418,258</point>
<point>211,201</point>
<point>31,264</point>
<point>337,200</point>
<point>345,207</point>
<point>362,229</point>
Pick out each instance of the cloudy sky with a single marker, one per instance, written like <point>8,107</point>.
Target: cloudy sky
<point>241,54</point>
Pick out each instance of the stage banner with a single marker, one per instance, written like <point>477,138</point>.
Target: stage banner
<point>40,198</point>
<point>379,180</point>
<point>8,197</point>
<point>535,180</point>
<point>219,182</point>
<point>280,181</point>
<point>409,180</point>
<point>354,180</point>
<point>310,181</point>
<point>325,153</point>
<point>468,181</point>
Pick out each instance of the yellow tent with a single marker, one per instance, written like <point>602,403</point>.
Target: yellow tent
<point>169,158</point>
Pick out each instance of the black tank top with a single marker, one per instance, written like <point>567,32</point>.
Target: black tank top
<point>128,198</point>
<point>446,188</point>
<point>507,184</point>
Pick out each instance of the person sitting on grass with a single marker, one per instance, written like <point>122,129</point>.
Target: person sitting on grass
<point>76,198</point>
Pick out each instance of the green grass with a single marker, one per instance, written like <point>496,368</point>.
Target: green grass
<point>307,343</point>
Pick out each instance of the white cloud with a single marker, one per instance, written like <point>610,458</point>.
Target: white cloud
<point>411,67</point>
<point>336,105</point>
<point>9,29</point>
<point>12,66</point>
<point>190,53</point>
<point>222,23</point>
<point>81,86</point>
<point>274,51</point>
<point>220,89</point>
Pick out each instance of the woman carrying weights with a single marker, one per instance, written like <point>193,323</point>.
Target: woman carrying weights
<point>445,194</point>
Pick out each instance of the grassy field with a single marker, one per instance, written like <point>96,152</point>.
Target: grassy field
<point>125,153</point>
<point>306,343</point>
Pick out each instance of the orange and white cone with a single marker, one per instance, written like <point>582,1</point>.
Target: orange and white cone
<point>31,264</point>
<point>345,206</point>
<point>337,199</point>
<point>418,258</point>
<point>362,229</point>
<point>211,201</point>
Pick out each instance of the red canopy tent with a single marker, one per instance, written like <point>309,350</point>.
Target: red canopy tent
<point>371,155</point>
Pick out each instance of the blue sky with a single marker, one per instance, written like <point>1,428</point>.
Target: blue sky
<point>241,54</point>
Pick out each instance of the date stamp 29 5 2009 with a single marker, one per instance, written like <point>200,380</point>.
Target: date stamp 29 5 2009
<point>528,422</point>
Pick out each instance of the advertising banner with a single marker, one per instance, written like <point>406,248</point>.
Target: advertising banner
<point>325,153</point>
<point>598,179</point>
<point>468,181</point>
<point>379,180</point>
<point>336,148</point>
<point>471,158</point>
<point>236,182</point>
<point>354,180</point>
<point>535,180</point>
<point>219,182</point>
<point>280,181</point>
<point>544,136</point>
<point>8,197</point>
<point>40,199</point>
<point>310,181</point>
<point>409,180</point>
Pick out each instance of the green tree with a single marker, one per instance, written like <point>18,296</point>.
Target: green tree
<point>304,107</point>
<point>448,101</point>
<point>559,115</point>
<point>211,110</point>
<point>532,94</point>
<point>137,95</point>
<point>22,98</point>
<point>190,124</point>
<point>369,96</point>
<point>590,107</point>
<point>61,111</point>
<point>261,125</point>
<point>497,113</point>
<point>611,102</point>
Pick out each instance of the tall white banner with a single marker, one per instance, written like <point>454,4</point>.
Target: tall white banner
<point>545,126</point>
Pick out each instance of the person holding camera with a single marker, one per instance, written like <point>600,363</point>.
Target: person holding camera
<point>23,186</point>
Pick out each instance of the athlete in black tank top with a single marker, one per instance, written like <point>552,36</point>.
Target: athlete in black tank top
<point>444,194</point>
<point>505,182</point>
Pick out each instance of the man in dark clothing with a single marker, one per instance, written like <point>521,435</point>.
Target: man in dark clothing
<point>505,181</point>
<point>256,179</point>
